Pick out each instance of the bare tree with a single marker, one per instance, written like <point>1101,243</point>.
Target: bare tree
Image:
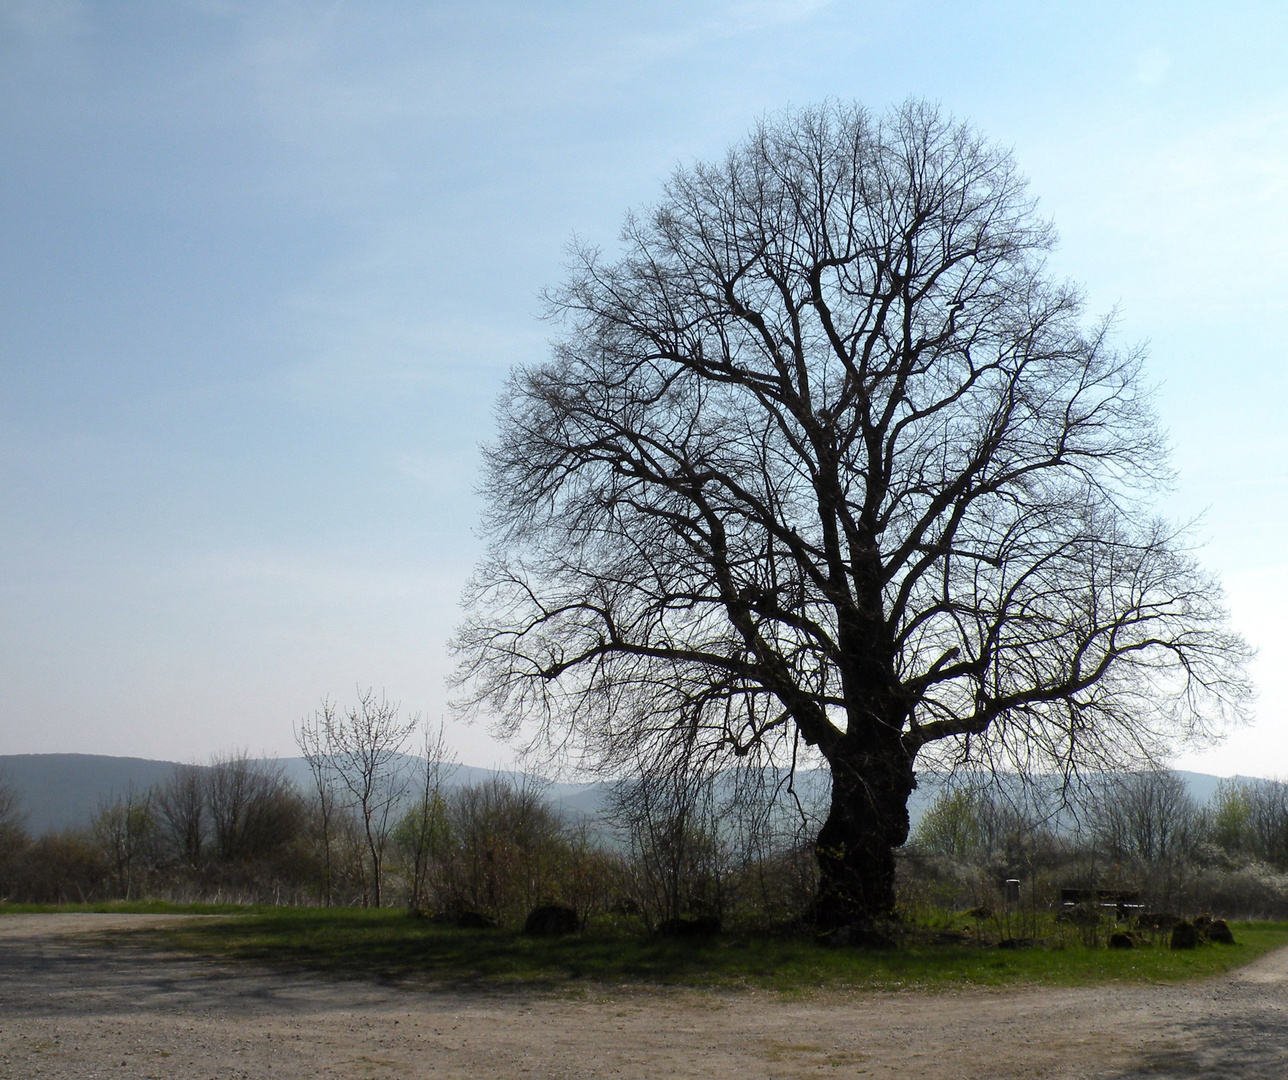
<point>254,810</point>
<point>422,835</point>
<point>311,738</point>
<point>125,830</point>
<point>12,817</point>
<point>828,457</point>
<point>507,846</point>
<point>180,805</point>
<point>13,833</point>
<point>365,746</point>
<point>668,816</point>
<point>1147,816</point>
<point>1268,821</point>
<point>1250,818</point>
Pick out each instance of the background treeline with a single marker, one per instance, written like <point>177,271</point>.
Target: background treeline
<point>379,827</point>
<point>1138,831</point>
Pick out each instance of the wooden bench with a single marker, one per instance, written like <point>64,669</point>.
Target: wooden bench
<point>1125,901</point>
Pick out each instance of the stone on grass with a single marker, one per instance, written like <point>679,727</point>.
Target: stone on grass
<point>551,920</point>
<point>1218,932</point>
<point>876,934</point>
<point>1016,943</point>
<point>1185,935</point>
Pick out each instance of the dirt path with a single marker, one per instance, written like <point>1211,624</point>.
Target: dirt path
<point>70,1007</point>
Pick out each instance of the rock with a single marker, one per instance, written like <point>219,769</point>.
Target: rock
<point>551,920</point>
<point>1120,939</point>
<point>702,927</point>
<point>1218,932</point>
<point>951,937</point>
<point>874,935</point>
<point>1185,935</point>
<point>1016,943</point>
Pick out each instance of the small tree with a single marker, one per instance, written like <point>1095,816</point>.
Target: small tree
<point>311,736</point>
<point>1148,824</point>
<point>422,836</point>
<point>507,848</point>
<point>953,826</point>
<point>255,813</point>
<point>1228,816</point>
<point>181,812</point>
<point>669,819</point>
<point>125,830</point>
<point>767,825</point>
<point>13,834</point>
<point>12,818</point>
<point>365,747</point>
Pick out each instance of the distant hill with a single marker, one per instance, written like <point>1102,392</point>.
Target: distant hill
<point>65,790</point>
<point>60,791</point>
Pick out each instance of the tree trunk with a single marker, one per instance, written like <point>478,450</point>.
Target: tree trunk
<point>868,819</point>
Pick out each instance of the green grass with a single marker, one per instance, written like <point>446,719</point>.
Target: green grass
<point>386,945</point>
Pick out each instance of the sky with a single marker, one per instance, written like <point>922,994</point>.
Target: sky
<point>264,268</point>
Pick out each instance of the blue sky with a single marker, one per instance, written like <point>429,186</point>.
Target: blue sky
<point>264,266</point>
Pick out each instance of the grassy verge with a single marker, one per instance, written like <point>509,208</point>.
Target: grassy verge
<point>387,945</point>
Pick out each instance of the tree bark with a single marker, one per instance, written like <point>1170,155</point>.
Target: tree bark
<point>867,820</point>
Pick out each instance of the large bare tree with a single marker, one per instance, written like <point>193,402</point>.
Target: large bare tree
<point>828,457</point>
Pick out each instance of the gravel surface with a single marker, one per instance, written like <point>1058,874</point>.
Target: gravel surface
<point>73,1006</point>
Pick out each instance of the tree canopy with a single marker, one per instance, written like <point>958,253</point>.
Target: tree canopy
<point>828,456</point>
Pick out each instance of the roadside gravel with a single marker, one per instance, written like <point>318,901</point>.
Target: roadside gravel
<point>76,1005</point>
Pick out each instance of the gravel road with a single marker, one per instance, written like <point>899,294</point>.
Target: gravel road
<point>74,1007</point>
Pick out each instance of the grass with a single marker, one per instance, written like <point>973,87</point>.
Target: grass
<point>386,945</point>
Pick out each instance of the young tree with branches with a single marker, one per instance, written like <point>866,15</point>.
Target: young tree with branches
<point>365,747</point>
<point>828,457</point>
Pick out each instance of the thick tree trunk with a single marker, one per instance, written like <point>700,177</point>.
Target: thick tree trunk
<point>855,847</point>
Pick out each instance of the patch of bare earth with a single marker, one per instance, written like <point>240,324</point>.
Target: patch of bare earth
<point>71,1007</point>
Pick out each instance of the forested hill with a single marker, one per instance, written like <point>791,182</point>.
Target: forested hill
<point>59,791</point>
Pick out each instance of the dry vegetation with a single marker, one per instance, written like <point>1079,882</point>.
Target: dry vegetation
<point>681,856</point>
